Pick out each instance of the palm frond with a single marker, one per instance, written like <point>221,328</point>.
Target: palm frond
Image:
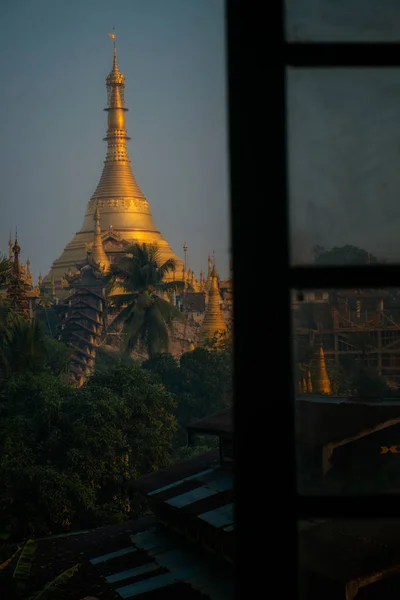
<point>121,317</point>
<point>157,338</point>
<point>171,286</point>
<point>168,311</point>
<point>5,270</point>
<point>119,301</point>
<point>145,317</point>
<point>153,252</point>
<point>58,582</point>
<point>24,564</point>
<point>169,266</point>
<point>134,327</point>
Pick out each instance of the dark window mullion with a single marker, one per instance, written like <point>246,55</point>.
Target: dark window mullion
<point>357,276</point>
<point>320,54</point>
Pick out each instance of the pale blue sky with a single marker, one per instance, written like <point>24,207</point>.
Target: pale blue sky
<point>54,57</point>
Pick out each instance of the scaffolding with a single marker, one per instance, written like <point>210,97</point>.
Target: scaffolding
<point>354,323</point>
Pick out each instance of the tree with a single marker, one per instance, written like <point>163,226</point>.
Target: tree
<point>150,424</point>
<point>5,270</point>
<point>107,358</point>
<point>201,383</point>
<point>24,347</point>
<point>343,255</point>
<point>67,455</point>
<point>145,315</point>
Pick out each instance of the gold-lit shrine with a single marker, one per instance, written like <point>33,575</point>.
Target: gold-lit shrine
<point>125,212</point>
<point>213,321</point>
<point>19,291</point>
<point>320,382</point>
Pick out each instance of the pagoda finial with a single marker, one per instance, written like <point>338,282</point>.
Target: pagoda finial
<point>16,252</point>
<point>113,36</point>
<point>115,77</point>
<point>10,247</point>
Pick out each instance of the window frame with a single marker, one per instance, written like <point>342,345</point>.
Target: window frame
<point>301,55</point>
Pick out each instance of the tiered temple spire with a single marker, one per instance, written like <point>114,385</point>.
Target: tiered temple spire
<point>213,322</point>
<point>83,321</point>
<point>17,291</point>
<point>124,209</point>
<point>322,383</point>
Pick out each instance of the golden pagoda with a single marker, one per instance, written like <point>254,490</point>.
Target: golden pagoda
<point>213,320</point>
<point>322,383</point>
<point>125,212</point>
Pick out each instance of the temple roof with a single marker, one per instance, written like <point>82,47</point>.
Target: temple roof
<point>226,283</point>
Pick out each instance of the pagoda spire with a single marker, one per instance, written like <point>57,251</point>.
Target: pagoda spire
<point>98,254</point>
<point>17,290</point>
<point>322,382</point>
<point>210,266</point>
<point>10,247</point>
<point>16,252</point>
<point>124,208</point>
<point>213,320</point>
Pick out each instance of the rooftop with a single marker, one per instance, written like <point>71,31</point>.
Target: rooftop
<point>136,559</point>
<point>217,423</point>
<point>175,473</point>
<point>196,499</point>
<point>334,420</point>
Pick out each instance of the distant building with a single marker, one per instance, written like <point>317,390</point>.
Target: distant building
<point>352,324</point>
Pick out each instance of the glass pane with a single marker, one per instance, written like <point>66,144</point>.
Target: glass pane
<point>342,20</point>
<point>347,375</point>
<point>344,159</point>
<point>348,558</point>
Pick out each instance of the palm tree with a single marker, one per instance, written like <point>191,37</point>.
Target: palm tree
<point>22,346</point>
<point>134,288</point>
<point>5,270</point>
